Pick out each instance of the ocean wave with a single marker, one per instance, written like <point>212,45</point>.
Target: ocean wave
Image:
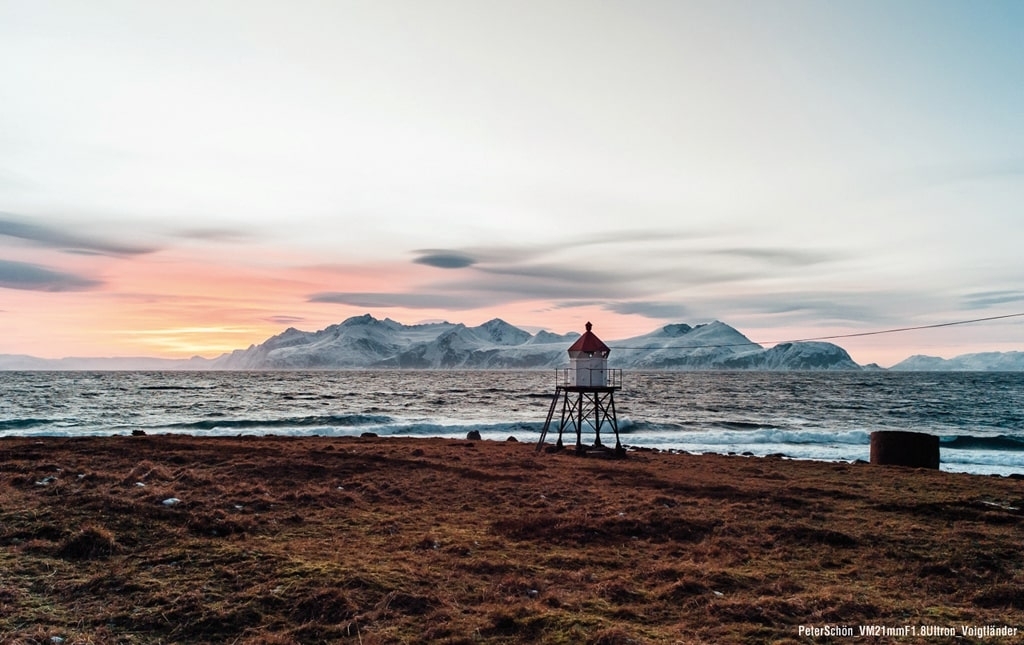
<point>450,430</point>
<point>768,435</point>
<point>1007,460</point>
<point>969,442</point>
<point>331,420</point>
<point>744,425</point>
<point>629,425</point>
<point>349,425</point>
<point>23,424</point>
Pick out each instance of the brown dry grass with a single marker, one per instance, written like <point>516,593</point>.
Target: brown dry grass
<point>286,540</point>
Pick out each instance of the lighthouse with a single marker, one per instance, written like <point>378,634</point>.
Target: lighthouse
<point>586,392</point>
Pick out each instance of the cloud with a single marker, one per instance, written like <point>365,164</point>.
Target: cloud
<point>285,320</point>
<point>445,259</point>
<point>215,235</point>
<point>657,310</point>
<point>57,239</point>
<point>31,277</point>
<point>572,304</point>
<point>499,287</point>
<point>852,308</point>
<point>786,257</point>
<point>612,277</point>
<point>984,299</point>
<point>617,264</point>
<point>522,252</point>
<point>422,300</point>
<point>600,283</point>
<point>557,273</point>
<point>540,285</point>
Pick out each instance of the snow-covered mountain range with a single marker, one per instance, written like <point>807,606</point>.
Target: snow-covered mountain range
<point>367,342</point>
<point>981,362</point>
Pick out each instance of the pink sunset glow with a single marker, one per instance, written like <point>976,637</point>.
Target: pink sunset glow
<point>180,304</point>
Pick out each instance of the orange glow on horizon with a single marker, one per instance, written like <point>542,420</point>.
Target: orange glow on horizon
<point>182,304</point>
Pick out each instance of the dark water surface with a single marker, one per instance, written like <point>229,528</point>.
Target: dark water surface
<point>808,415</point>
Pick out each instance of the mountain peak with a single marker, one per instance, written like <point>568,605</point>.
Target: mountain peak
<point>676,329</point>
<point>1012,361</point>
<point>495,324</point>
<point>365,319</point>
<point>500,332</point>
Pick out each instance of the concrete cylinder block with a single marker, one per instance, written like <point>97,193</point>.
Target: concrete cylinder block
<point>896,448</point>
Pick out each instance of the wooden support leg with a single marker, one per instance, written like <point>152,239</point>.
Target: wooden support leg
<point>615,423</point>
<point>579,422</point>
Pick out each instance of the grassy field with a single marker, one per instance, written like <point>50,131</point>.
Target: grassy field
<point>310,540</point>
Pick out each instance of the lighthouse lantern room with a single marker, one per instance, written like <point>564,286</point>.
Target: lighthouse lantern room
<point>586,392</point>
<point>588,361</point>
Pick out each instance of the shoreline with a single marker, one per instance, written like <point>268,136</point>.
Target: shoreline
<point>815,452</point>
<point>300,539</point>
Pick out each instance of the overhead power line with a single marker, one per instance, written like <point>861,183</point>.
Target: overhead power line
<point>837,336</point>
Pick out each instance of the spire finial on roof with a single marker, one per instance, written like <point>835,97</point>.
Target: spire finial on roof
<point>588,325</point>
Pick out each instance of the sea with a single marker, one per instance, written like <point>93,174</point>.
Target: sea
<point>825,416</point>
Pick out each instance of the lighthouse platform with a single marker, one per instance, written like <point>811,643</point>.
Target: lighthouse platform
<point>585,406</point>
<point>579,380</point>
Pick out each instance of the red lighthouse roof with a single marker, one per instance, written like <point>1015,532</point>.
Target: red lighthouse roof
<point>589,343</point>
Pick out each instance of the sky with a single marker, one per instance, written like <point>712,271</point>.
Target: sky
<point>187,178</point>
